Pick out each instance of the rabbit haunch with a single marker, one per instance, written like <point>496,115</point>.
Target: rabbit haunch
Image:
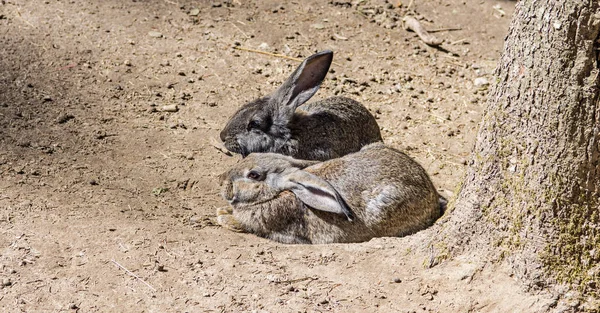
<point>284,123</point>
<point>297,201</point>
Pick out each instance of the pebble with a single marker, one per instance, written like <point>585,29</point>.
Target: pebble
<point>194,12</point>
<point>155,34</point>
<point>481,82</point>
<point>196,219</point>
<point>263,46</point>
<point>397,280</point>
<point>63,118</point>
<point>6,282</point>
<point>338,37</point>
<point>170,108</point>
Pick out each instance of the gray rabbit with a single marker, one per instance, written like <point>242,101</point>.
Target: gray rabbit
<point>283,123</point>
<point>375,192</point>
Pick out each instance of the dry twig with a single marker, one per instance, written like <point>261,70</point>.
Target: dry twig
<point>410,23</point>
<point>219,146</point>
<point>292,281</point>
<point>133,275</point>
<point>269,53</point>
<point>448,29</point>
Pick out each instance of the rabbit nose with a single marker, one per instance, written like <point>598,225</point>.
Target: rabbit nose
<point>223,135</point>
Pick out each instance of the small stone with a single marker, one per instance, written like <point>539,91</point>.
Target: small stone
<point>161,268</point>
<point>47,99</point>
<point>127,63</point>
<point>73,306</point>
<point>338,37</point>
<point>93,182</point>
<point>397,280</point>
<point>263,46</point>
<point>324,301</point>
<point>481,82</point>
<point>6,282</point>
<point>317,26</point>
<point>63,118</point>
<point>557,25</point>
<point>170,108</point>
<point>196,219</point>
<point>194,12</point>
<point>155,34</point>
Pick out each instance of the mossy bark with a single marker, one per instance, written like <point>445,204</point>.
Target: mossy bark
<point>531,192</point>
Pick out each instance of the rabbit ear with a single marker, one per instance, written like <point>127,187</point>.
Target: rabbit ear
<point>315,192</point>
<point>302,84</point>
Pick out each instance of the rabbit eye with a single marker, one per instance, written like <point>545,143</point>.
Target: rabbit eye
<point>253,125</point>
<point>254,175</point>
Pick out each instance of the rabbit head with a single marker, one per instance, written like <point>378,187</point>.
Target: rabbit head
<point>260,125</point>
<point>263,177</point>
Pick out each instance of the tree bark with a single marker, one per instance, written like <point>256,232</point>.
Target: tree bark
<point>531,193</point>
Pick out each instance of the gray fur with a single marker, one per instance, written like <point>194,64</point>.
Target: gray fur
<point>284,123</point>
<point>388,192</point>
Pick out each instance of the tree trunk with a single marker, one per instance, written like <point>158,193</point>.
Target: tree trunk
<point>531,192</point>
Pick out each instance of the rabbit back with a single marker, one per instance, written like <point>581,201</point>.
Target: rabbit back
<point>331,128</point>
<point>389,193</point>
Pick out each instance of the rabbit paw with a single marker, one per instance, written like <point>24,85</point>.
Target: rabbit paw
<point>226,219</point>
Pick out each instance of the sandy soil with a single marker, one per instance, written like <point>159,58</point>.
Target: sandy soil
<point>107,200</point>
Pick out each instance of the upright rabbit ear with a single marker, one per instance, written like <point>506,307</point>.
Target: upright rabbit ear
<point>302,84</point>
<point>315,192</point>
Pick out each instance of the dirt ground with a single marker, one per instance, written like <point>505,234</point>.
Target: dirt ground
<point>107,198</point>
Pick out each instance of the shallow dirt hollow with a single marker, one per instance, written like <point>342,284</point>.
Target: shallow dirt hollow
<point>107,200</point>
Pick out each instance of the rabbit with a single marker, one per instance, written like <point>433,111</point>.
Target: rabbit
<point>376,192</point>
<point>284,123</point>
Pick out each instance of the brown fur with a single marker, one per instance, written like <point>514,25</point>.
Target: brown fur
<point>389,194</point>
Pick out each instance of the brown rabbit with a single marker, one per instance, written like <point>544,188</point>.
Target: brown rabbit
<point>375,192</point>
<point>283,123</point>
